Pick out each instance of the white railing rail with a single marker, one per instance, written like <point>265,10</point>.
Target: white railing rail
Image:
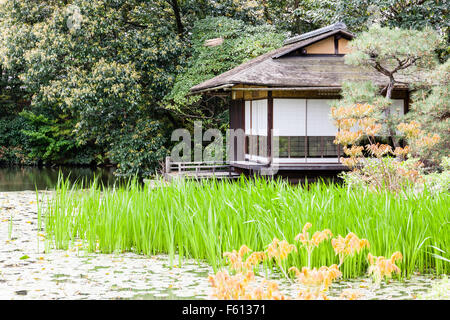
<point>196,166</point>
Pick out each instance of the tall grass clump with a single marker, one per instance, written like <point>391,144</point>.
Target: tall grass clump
<point>202,220</point>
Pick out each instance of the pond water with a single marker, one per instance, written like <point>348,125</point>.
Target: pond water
<point>31,269</point>
<point>46,178</point>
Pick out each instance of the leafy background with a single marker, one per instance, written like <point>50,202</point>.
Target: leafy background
<point>112,90</point>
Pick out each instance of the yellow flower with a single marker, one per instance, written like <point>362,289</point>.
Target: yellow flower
<point>320,236</point>
<point>254,259</point>
<point>348,246</point>
<point>380,267</point>
<point>243,250</point>
<point>321,278</point>
<point>236,262</point>
<point>317,238</point>
<point>279,249</point>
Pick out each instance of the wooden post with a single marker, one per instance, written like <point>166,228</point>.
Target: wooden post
<point>306,130</point>
<point>168,165</point>
<point>406,103</point>
<point>241,157</point>
<point>269,126</point>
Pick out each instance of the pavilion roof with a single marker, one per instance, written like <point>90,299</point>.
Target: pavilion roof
<point>280,68</point>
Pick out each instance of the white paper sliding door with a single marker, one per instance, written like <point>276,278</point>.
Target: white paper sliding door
<point>321,132</point>
<point>304,131</point>
<point>289,117</point>
<point>256,129</point>
<point>256,117</point>
<point>247,118</point>
<point>318,118</point>
<point>289,130</point>
<point>259,117</point>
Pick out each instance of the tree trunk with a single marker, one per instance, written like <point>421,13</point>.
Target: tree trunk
<point>297,19</point>
<point>177,13</point>
<point>387,112</point>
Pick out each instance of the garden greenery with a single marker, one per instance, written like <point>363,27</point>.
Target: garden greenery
<point>202,220</point>
<point>79,77</point>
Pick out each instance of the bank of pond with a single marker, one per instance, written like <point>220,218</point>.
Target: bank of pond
<point>28,178</point>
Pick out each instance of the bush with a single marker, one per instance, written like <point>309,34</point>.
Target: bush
<point>14,145</point>
<point>138,151</point>
<point>378,174</point>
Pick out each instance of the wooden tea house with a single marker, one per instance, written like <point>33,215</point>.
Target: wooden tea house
<point>287,92</point>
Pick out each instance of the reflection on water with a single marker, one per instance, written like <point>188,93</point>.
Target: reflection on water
<point>30,178</point>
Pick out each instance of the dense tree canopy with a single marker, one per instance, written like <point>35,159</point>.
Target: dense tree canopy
<point>105,81</point>
<point>241,43</point>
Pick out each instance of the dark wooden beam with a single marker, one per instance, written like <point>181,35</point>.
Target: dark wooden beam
<point>269,125</point>
<point>306,128</point>
<point>407,101</point>
<point>336,45</point>
<point>242,103</point>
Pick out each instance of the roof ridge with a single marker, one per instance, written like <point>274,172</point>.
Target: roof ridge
<point>306,42</point>
<point>307,35</point>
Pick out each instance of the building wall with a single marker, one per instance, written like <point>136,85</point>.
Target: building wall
<point>328,46</point>
<point>325,46</point>
<point>343,46</point>
<point>303,131</point>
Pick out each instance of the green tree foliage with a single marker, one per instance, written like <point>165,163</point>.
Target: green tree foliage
<point>139,150</point>
<point>241,42</point>
<point>14,145</point>
<point>394,52</point>
<point>99,65</point>
<point>83,80</point>
<point>431,108</point>
<point>407,14</point>
<point>406,57</point>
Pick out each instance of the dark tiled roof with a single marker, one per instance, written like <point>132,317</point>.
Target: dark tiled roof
<point>276,69</point>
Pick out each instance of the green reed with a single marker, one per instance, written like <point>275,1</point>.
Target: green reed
<point>202,220</point>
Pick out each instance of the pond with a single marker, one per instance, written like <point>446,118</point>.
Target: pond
<point>29,269</point>
<point>46,178</point>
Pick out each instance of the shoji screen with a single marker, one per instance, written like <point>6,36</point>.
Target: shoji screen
<point>247,117</point>
<point>289,117</point>
<point>318,118</point>
<point>256,117</point>
<point>260,117</point>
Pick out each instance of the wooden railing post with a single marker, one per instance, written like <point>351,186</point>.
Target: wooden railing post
<point>168,165</point>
